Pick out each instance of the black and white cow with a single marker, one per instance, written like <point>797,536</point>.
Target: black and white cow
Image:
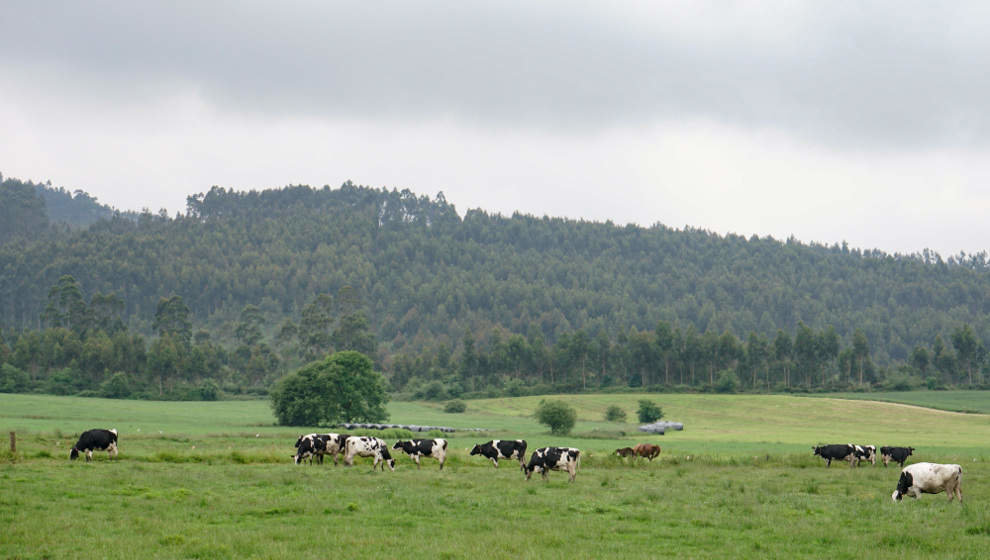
<point>553,458</point>
<point>896,454</point>
<point>866,453</point>
<point>333,445</point>
<point>365,446</point>
<point>95,440</point>
<point>416,448</point>
<point>929,478</point>
<point>308,447</point>
<point>502,449</point>
<point>838,451</point>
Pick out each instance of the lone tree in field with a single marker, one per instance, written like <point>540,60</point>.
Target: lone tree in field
<point>614,413</point>
<point>341,388</point>
<point>557,415</point>
<point>648,411</point>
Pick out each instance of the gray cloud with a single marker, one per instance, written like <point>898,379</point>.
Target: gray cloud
<point>885,76</point>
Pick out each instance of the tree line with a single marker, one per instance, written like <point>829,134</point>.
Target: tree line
<point>270,279</point>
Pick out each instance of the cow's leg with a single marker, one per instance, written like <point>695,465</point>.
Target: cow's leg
<point>89,455</point>
<point>415,458</point>
<point>112,450</point>
<point>443,459</point>
<point>571,470</point>
<point>828,462</point>
<point>495,461</point>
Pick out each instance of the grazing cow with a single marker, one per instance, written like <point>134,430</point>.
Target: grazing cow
<point>896,454</point>
<point>546,459</point>
<point>308,447</point>
<point>502,449</point>
<point>839,451</point>
<point>95,440</point>
<point>929,478</point>
<point>648,450</point>
<point>333,445</point>
<point>416,448</point>
<point>866,453</point>
<point>365,446</point>
<point>625,452</point>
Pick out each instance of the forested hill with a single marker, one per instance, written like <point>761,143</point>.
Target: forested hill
<point>424,276</point>
<point>29,209</point>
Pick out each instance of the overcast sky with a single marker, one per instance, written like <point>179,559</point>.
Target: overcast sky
<point>829,121</point>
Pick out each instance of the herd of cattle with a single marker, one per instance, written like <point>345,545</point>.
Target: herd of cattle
<point>315,446</point>
<point>916,479</point>
<point>856,453</point>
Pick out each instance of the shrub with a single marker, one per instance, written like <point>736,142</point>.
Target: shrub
<point>117,386</point>
<point>615,414</point>
<point>12,379</point>
<point>648,411</point>
<point>557,415</point>
<point>209,390</point>
<point>455,407</point>
<point>727,382</point>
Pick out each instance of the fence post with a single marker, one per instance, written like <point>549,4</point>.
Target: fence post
<point>13,442</point>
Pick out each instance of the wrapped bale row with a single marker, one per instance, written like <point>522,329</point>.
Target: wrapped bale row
<point>410,427</point>
<point>661,427</point>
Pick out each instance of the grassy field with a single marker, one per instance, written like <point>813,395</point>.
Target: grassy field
<point>958,401</point>
<point>214,480</point>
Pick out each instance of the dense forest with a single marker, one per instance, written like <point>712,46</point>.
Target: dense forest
<point>450,305</point>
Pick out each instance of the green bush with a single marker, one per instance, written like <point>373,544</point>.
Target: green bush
<point>557,415</point>
<point>455,407</point>
<point>117,386</point>
<point>209,390</point>
<point>614,413</point>
<point>728,382</point>
<point>648,411</point>
<point>12,379</point>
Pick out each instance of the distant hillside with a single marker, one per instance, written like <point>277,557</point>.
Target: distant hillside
<point>76,209</point>
<point>425,276</point>
<point>27,208</point>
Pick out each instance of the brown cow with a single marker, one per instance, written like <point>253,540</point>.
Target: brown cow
<point>648,450</point>
<point>625,452</point>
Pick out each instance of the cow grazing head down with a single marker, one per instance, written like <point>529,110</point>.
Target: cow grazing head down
<point>546,459</point>
<point>95,440</point>
<point>929,478</point>
<point>903,483</point>
<point>625,452</point>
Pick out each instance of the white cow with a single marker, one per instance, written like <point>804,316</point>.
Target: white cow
<point>365,446</point>
<point>929,478</point>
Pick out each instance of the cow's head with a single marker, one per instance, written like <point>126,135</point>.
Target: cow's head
<point>817,450</point>
<point>905,482</point>
<point>399,445</point>
<point>476,449</point>
<point>74,454</point>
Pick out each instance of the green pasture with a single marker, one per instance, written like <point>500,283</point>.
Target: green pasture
<point>957,401</point>
<point>214,480</point>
